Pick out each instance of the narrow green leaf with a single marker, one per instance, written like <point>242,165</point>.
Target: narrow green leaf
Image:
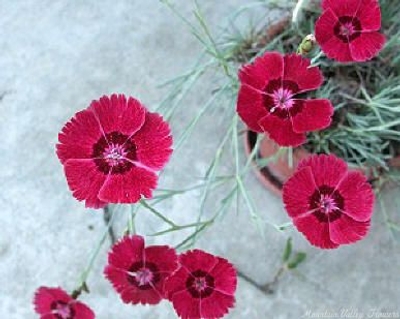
<point>288,250</point>
<point>297,260</point>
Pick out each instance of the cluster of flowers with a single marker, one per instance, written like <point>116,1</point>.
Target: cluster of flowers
<point>328,203</point>
<point>111,152</point>
<point>198,284</point>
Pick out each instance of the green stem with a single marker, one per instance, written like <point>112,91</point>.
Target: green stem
<point>290,157</point>
<point>296,10</point>
<point>131,219</point>
<point>177,228</point>
<point>157,213</point>
<point>107,217</point>
<point>315,59</point>
<point>376,128</point>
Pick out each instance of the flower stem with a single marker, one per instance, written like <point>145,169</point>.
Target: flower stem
<point>131,219</point>
<point>296,10</point>
<point>157,213</point>
<point>315,59</point>
<point>107,217</point>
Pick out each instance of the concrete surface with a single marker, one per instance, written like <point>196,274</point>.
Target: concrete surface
<point>55,57</point>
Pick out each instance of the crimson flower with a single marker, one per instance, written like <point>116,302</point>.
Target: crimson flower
<point>328,203</point>
<point>202,287</point>
<point>138,273</point>
<point>269,100</point>
<point>112,150</point>
<point>55,303</point>
<point>347,30</point>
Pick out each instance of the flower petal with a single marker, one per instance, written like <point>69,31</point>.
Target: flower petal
<point>163,256</point>
<point>369,15</point>
<point>224,277</point>
<point>315,231</point>
<point>82,311</point>
<point>176,283</point>
<point>132,294</point>
<point>281,131</point>
<point>216,305</point>
<point>297,191</point>
<point>117,114</point>
<point>358,196</point>
<point>128,187</point>
<point>297,70</point>
<point>166,260</point>
<point>250,107</point>
<point>315,115</point>
<point>346,230</point>
<point>342,7</point>
<point>78,136</point>
<point>175,289</point>
<point>366,46</point>
<point>324,27</point>
<point>85,181</point>
<point>264,68</point>
<point>118,277</point>
<point>197,259</point>
<point>128,250</point>
<point>185,305</point>
<point>327,170</point>
<point>153,142</point>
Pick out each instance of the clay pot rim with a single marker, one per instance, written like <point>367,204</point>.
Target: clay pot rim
<point>263,174</point>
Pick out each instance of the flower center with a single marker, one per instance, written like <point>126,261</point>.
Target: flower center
<point>114,153</point>
<point>282,99</point>
<point>278,98</point>
<point>347,28</point>
<point>143,276</point>
<point>200,284</point>
<point>327,204</point>
<point>62,310</point>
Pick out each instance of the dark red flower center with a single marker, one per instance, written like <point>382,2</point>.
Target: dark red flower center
<point>114,153</point>
<point>279,98</point>
<point>62,310</point>
<point>200,284</point>
<point>347,28</point>
<point>327,203</point>
<point>143,276</point>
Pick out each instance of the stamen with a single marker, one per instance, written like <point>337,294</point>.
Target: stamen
<point>282,99</point>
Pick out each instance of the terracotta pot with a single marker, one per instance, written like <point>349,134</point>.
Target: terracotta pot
<point>274,174</point>
<point>395,162</point>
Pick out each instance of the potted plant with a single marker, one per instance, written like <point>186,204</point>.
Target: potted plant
<point>364,128</point>
<point>320,79</point>
<point>319,97</point>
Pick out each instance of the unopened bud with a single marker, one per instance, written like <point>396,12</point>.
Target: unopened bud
<point>307,45</point>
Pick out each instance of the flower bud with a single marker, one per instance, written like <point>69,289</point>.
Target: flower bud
<point>306,45</point>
